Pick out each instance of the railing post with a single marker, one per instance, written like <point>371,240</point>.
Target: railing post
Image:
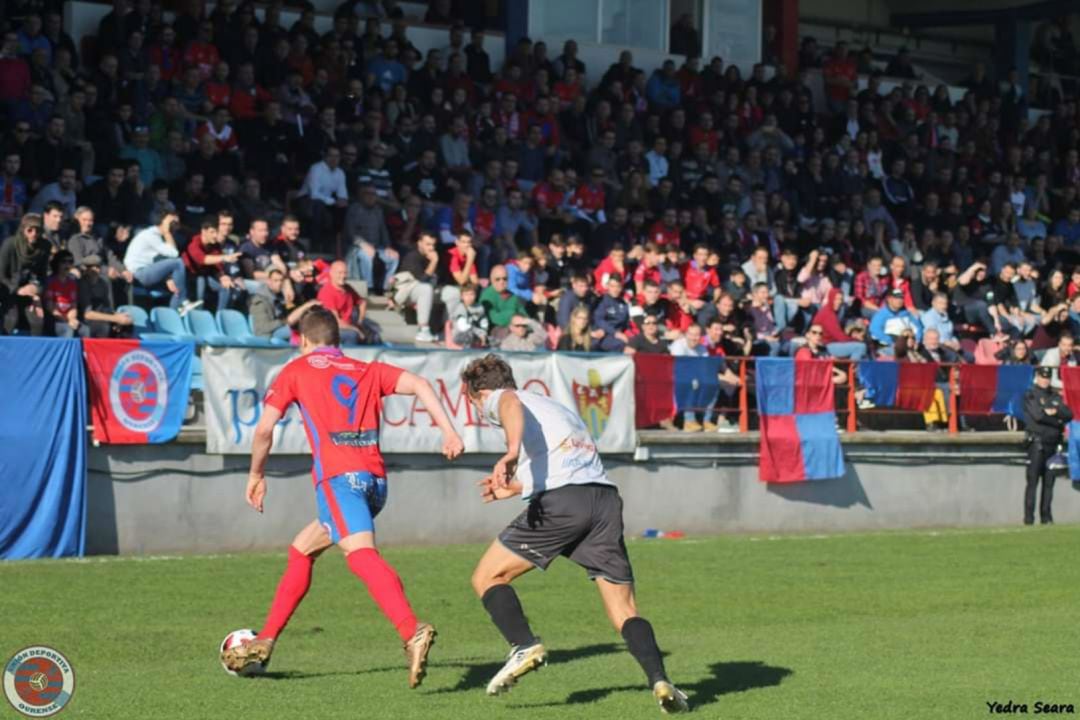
<point>954,421</point>
<point>744,412</point>
<point>852,421</point>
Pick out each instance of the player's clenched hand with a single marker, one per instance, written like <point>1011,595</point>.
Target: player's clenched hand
<point>452,446</point>
<point>491,491</point>
<point>256,491</point>
<point>504,469</point>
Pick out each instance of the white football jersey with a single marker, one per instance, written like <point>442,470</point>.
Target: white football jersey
<point>556,447</point>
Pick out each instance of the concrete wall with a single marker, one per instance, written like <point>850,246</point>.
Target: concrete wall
<point>175,498</point>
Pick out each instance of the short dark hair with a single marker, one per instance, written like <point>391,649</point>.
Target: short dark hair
<point>209,220</point>
<point>320,326</point>
<point>53,205</point>
<point>490,372</point>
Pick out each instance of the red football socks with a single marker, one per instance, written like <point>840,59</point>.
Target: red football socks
<point>385,588</point>
<point>290,591</point>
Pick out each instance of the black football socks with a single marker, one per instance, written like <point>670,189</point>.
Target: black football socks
<point>504,607</point>
<point>641,641</point>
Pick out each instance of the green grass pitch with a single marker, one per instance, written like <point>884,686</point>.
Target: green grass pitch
<point>874,625</point>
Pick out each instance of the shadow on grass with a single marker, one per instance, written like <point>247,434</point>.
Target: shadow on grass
<point>725,678</point>
<point>477,676</point>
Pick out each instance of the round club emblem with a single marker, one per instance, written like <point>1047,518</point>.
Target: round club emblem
<point>38,681</point>
<point>139,391</point>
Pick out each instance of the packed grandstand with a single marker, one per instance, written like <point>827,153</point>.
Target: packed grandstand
<point>215,174</point>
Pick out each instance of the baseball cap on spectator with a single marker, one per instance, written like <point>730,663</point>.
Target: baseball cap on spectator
<point>896,293</point>
<point>90,261</point>
<point>1045,372</point>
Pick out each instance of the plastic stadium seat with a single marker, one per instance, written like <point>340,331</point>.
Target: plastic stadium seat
<point>167,321</point>
<point>204,327</point>
<point>141,318</point>
<point>196,372</point>
<point>237,329</point>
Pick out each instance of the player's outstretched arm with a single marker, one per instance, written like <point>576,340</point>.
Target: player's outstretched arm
<point>409,384</point>
<point>261,443</point>
<point>512,418</point>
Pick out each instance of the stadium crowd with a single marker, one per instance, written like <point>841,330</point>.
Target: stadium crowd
<point>685,209</point>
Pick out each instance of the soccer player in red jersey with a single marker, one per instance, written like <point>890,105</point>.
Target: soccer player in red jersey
<point>340,400</point>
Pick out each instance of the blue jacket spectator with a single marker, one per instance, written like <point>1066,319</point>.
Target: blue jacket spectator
<point>612,315</point>
<point>893,319</point>
<point>520,280</point>
<point>1069,228</point>
<point>663,88</point>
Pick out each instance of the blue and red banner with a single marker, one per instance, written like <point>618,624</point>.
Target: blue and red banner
<point>994,388</point>
<point>42,448</point>
<point>1070,379</point>
<point>666,385</point>
<point>138,389</point>
<point>902,385</point>
<point>799,440</point>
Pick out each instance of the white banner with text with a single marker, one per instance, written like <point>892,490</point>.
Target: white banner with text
<point>600,388</point>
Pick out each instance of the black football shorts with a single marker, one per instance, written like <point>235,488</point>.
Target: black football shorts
<point>580,522</point>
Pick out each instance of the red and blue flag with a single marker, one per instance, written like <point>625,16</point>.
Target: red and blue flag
<point>796,406</point>
<point>1070,379</point>
<point>138,389</point>
<point>666,385</point>
<point>902,385</point>
<point>994,388</point>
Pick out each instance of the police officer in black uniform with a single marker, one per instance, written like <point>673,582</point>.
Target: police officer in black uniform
<point>1045,416</point>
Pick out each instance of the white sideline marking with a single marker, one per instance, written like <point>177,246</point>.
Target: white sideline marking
<point>902,533</point>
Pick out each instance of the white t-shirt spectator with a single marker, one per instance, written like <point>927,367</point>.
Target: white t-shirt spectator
<point>324,184</point>
<point>147,247</point>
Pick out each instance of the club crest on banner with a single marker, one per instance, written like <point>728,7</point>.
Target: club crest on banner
<point>139,391</point>
<point>594,402</point>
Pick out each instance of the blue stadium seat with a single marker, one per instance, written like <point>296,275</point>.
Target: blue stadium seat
<point>196,372</point>
<point>167,321</point>
<point>236,327</point>
<point>140,317</point>
<point>204,327</point>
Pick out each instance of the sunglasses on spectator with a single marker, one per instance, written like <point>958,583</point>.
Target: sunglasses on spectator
<point>519,326</point>
<point>498,278</point>
<point>33,228</point>
<point>649,322</point>
<point>813,332</point>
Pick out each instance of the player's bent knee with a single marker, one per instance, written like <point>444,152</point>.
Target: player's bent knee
<point>357,541</point>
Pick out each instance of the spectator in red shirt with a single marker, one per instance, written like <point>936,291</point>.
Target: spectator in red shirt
<point>218,127</point>
<point>871,287</point>
<point>218,89</point>
<point>461,261</point>
<point>346,304</point>
<point>613,264</point>
<point>589,200</point>
<point>205,260</point>
<point>62,298</point>
<point>248,97</point>
<point>648,270</point>
<point>201,53</point>
<point>701,281</point>
<point>841,78</point>
<point>898,280</point>
<point>14,71</point>
<point>680,313</point>
<point>567,89</point>
<point>665,231</point>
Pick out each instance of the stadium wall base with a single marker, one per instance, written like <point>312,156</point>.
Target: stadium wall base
<point>176,498</point>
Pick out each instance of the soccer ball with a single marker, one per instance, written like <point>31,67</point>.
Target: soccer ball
<point>233,639</point>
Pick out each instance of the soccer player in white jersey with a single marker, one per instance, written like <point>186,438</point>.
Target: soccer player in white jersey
<point>573,510</point>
